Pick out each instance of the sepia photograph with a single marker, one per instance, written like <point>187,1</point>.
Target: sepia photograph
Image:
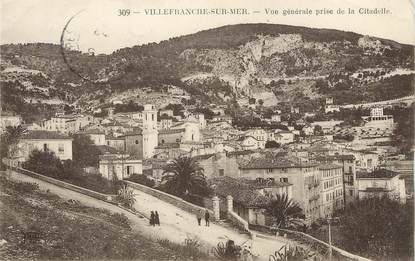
<point>207,130</point>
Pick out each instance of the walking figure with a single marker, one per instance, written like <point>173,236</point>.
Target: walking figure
<point>207,216</point>
<point>157,218</point>
<point>152,219</point>
<point>199,216</point>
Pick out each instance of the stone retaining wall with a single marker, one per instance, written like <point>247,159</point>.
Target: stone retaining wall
<point>176,201</point>
<point>85,191</point>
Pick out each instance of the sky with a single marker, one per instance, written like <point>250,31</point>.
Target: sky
<point>98,27</point>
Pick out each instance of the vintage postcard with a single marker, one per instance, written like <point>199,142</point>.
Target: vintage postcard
<point>207,130</point>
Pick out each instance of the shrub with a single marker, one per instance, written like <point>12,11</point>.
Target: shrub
<point>190,248</point>
<point>141,179</point>
<point>230,251</point>
<point>26,187</point>
<point>120,219</point>
<point>126,197</point>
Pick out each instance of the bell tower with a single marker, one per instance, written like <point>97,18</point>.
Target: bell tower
<point>150,133</point>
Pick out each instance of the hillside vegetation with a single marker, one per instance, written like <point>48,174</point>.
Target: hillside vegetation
<point>240,61</point>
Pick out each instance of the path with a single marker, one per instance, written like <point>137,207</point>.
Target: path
<point>176,224</point>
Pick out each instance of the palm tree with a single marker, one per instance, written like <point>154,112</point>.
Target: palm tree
<point>184,176</point>
<point>10,139</point>
<point>126,197</point>
<point>284,211</point>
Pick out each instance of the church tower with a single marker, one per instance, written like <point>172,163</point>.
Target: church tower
<point>150,133</point>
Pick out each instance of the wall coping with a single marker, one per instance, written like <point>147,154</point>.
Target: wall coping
<point>340,251</point>
<point>191,205</point>
<point>63,184</point>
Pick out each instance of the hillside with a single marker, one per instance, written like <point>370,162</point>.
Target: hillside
<point>68,230</point>
<point>223,63</point>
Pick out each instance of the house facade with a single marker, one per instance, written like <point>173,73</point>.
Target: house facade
<point>119,166</point>
<point>381,182</point>
<point>332,197</point>
<point>305,178</point>
<point>59,144</point>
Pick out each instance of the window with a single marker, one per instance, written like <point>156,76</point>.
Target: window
<point>61,149</point>
<point>162,141</point>
<point>136,141</point>
<point>284,179</point>
<point>221,172</point>
<point>269,170</point>
<point>128,170</point>
<point>45,147</point>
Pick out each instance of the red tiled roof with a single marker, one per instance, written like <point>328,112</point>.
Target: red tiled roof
<point>329,166</point>
<point>241,192</point>
<point>45,135</point>
<point>275,163</point>
<point>379,173</point>
<point>203,157</point>
<point>171,131</point>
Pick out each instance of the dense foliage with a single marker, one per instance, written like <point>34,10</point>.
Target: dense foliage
<point>183,177</point>
<point>84,152</point>
<point>46,163</point>
<point>284,211</point>
<point>380,228</point>
<point>141,179</point>
<point>404,131</point>
<point>68,230</point>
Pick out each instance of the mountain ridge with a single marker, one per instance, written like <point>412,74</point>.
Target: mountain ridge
<point>240,60</point>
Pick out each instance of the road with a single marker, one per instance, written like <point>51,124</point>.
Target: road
<point>176,224</point>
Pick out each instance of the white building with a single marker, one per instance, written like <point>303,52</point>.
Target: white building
<point>381,182</point>
<point>166,124</point>
<point>120,165</point>
<point>378,120</point>
<point>55,142</point>
<point>284,137</point>
<point>9,119</point>
<point>150,132</point>
<point>331,189</point>
<point>275,118</point>
<point>97,136</point>
<point>200,117</point>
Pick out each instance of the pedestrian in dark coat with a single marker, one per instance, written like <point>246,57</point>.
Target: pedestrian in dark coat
<point>207,216</point>
<point>152,219</point>
<point>157,218</point>
<point>199,217</point>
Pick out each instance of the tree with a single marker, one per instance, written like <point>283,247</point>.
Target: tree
<point>126,197</point>
<point>46,163</point>
<point>404,131</point>
<point>183,177</point>
<point>381,228</point>
<point>272,144</point>
<point>284,211</point>
<point>10,140</point>
<point>85,153</point>
<point>318,130</point>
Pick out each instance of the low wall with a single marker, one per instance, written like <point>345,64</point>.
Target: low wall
<point>318,245</point>
<point>88,192</point>
<point>176,201</point>
<point>238,221</point>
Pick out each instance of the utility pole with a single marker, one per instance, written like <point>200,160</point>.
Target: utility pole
<point>329,220</point>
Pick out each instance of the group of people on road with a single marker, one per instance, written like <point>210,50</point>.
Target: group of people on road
<point>200,215</point>
<point>154,219</point>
